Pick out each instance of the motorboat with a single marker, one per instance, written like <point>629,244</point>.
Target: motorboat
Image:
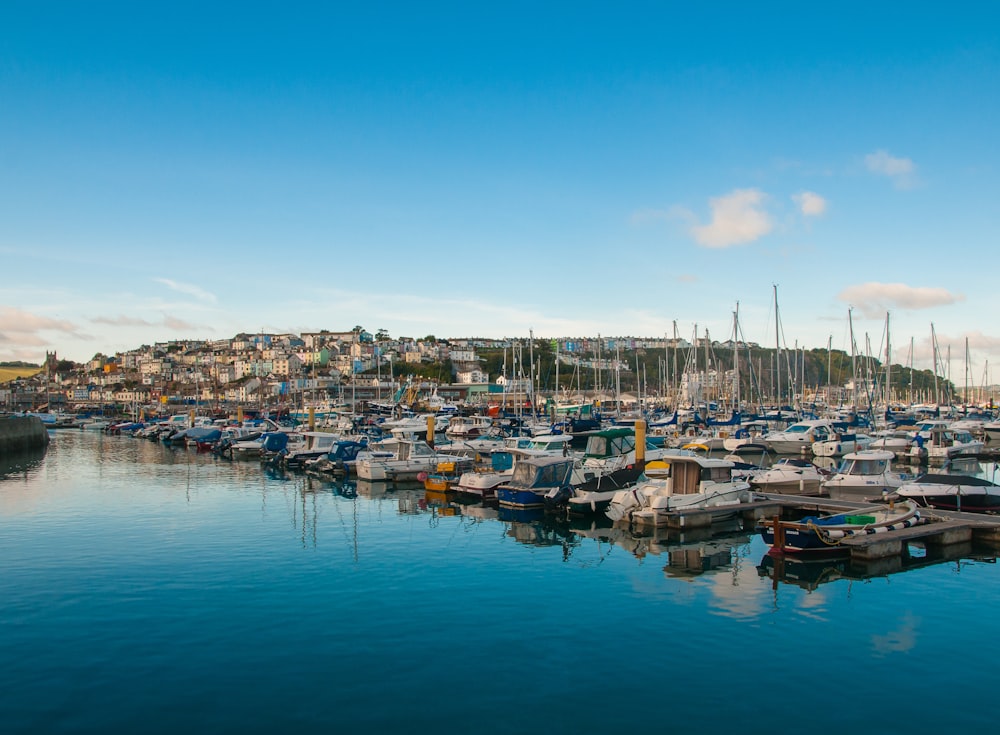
<point>533,478</point>
<point>750,438</point>
<point>840,444</point>
<point>953,492</point>
<point>800,437</point>
<point>790,476</point>
<point>816,534</point>
<point>945,443</point>
<point>407,459</point>
<point>694,482</point>
<point>314,445</point>
<point>609,464</point>
<point>869,471</point>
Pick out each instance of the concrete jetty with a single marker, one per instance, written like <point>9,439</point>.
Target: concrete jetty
<point>21,433</point>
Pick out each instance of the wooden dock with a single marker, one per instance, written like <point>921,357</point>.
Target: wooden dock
<point>939,529</point>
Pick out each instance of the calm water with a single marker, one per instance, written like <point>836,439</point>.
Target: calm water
<point>157,590</point>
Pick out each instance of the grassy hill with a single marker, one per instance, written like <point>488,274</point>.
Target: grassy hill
<point>9,373</point>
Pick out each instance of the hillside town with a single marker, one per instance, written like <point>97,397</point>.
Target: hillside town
<point>322,368</point>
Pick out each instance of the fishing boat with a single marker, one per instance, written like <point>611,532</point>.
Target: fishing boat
<point>815,534</point>
<point>867,471</point>
<point>694,482</point>
<point>790,476</point>
<point>953,492</point>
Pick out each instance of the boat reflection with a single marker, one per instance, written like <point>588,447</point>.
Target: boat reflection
<point>690,553</point>
<point>811,573</point>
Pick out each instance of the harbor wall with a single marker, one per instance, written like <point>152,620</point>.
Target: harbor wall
<point>20,433</point>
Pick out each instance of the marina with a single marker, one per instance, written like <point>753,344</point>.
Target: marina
<point>145,577</point>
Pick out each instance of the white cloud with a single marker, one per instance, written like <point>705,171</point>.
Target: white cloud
<point>876,298</point>
<point>15,322</point>
<point>902,171</point>
<point>121,321</point>
<point>810,203</point>
<point>187,288</point>
<point>22,332</point>
<point>737,218</point>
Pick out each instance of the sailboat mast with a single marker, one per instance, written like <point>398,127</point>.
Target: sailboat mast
<point>777,343</point>
<point>888,364</point>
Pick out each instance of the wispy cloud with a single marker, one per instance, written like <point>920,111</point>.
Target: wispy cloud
<point>22,332</point>
<point>737,218</point>
<point>175,323</point>
<point>875,299</point>
<point>902,171</point>
<point>810,203</point>
<point>687,278</point>
<point>121,321</point>
<point>187,288</point>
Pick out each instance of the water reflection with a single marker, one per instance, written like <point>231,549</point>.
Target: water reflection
<point>811,573</point>
<point>21,464</point>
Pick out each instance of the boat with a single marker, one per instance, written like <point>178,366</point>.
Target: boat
<point>315,444</point>
<point>609,464</point>
<point>869,471</point>
<point>482,481</point>
<point>991,431</point>
<point>953,492</point>
<point>694,482</point>
<point>748,439</point>
<point>790,476</point>
<point>817,534</point>
<point>442,479</point>
<point>533,478</point>
<point>945,443</point>
<point>408,459</point>
<point>799,437</point>
<point>897,441</point>
<point>339,461</point>
<point>840,444</point>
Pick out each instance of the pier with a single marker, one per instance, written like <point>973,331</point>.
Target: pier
<point>940,528</point>
<point>22,433</point>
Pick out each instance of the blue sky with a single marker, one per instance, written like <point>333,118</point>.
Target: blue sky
<point>176,170</point>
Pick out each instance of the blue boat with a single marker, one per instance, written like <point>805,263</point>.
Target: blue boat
<point>533,479</point>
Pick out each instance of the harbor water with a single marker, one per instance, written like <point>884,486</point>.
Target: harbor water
<point>153,589</point>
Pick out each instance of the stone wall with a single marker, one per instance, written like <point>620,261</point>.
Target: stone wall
<point>19,433</point>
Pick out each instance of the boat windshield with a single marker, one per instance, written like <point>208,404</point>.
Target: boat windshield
<point>865,467</point>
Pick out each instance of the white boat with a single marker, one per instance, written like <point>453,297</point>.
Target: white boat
<point>799,437</point>
<point>868,471</point>
<point>897,441</point>
<point>992,431</point>
<point>953,492</point>
<point>694,483</point>
<point>748,438</point>
<point>945,444</point>
<point>840,444</point>
<point>790,476</point>
<point>468,427</point>
<point>410,458</point>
